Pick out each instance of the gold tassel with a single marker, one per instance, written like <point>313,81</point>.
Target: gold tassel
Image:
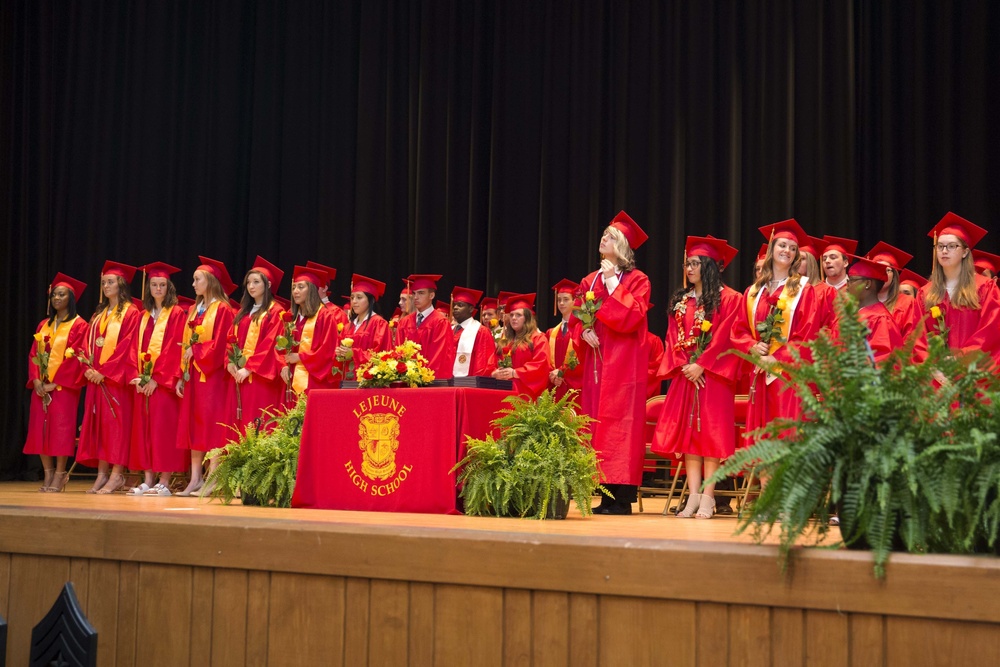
<point>684,270</point>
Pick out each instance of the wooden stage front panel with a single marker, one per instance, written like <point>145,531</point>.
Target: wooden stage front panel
<point>174,581</point>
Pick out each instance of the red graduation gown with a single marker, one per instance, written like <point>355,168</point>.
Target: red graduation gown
<point>320,360</point>
<point>436,339</point>
<point>531,363</point>
<point>967,329</point>
<point>53,432</point>
<point>202,424</point>
<point>883,336</point>
<point>678,429</point>
<point>906,315</point>
<point>154,422</point>
<point>617,399</point>
<point>559,346</point>
<point>483,358</point>
<point>263,389</point>
<point>653,380</point>
<point>771,401</point>
<point>104,437</point>
<point>372,335</point>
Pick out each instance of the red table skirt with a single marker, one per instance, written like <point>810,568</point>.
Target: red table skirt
<point>388,450</point>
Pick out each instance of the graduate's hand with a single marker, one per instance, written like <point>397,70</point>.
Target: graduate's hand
<point>590,338</point>
<point>555,378</point>
<point>180,389</point>
<point>188,354</point>
<point>292,358</point>
<point>760,349</point>
<point>608,268</point>
<point>39,388</point>
<point>231,369</point>
<point>694,373</point>
<point>286,374</point>
<point>149,387</point>
<point>241,375</point>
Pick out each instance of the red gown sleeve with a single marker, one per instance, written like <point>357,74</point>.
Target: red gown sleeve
<point>656,354</point>
<point>319,361</point>
<point>484,358</point>
<point>438,346</point>
<point>167,369</point>
<point>212,355</point>
<point>378,338</point>
<point>625,310</point>
<point>531,363</point>
<point>120,366</point>
<point>804,328</point>
<point>264,362</point>
<point>71,371</point>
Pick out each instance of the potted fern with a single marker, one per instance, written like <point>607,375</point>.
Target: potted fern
<point>909,462</point>
<point>260,466</point>
<point>542,459</point>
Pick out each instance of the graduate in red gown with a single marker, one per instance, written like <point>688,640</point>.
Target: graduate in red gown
<point>428,327</point>
<point>779,289</point>
<point>56,380</point>
<point>106,433</point>
<point>987,264</point>
<point>488,312</point>
<point>524,348</point>
<point>367,331</point>
<point>204,393</point>
<point>698,413</point>
<point>968,303</point>
<point>615,355</point>
<point>257,390</point>
<point>865,281</point>
<point>311,364</point>
<point>903,307</point>
<point>910,283</point>
<point>475,349</point>
<point>826,314</point>
<point>156,370</point>
<point>567,369</point>
<point>834,258</point>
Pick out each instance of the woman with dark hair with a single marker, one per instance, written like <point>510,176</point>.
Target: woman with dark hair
<point>106,435</point>
<point>367,331</point>
<point>309,364</point>
<point>156,371</point>
<point>902,306</point>
<point>699,411</point>
<point>256,370</point>
<point>56,379</point>
<point>865,281</point>
<point>615,356</point>
<point>783,302</point>
<point>204,385</point>
<point>967,303</point>
<point>524,350</point>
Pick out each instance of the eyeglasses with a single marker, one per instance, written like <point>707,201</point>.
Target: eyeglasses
<point>948,247</point>
<point>693,264</point>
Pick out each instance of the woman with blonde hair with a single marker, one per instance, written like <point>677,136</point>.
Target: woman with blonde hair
<point>56,379</point>
<point>524,353</point>
<point>106,434</point>
<point>204,384</point>
<point>965,303</point>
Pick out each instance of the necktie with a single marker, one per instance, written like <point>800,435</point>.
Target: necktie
<point>458,327</point>
<point>563,328</point>
<point>420,318</point>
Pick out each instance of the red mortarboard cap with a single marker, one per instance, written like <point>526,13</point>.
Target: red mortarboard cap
<point>762,253</point>
<point>862,267</point>
<point>185,302</point>
<point>489,303</point>
<point>273,273</point>
<point>360,283</point>
<point>406,291</point>
<point>443,306</point>
<point>841,245</point>
<point>396,314</point>
<point>891,255</point>
<point>985,260</point>
<point>423,281</point>
<point>503,296</point>
<point>515,301</point>
<point>347,301</point>
<point>907,276</point>
<point>969,232</point>
<point>627,226</point>
<point>466,295</point>
<point>138,303</point>
<point>329,273</point>
<point>72,284</point>
<point>217,269</point>
<point>283,302</point>
<point>812,246</point>
<point>566,286</point>
<point>786,229</point>
<point>311,274</point>
<point>159,270</point>
<point>118,269</point>
<point>705,246</point>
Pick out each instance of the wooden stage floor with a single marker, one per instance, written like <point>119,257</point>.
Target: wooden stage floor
<point>180,581</point>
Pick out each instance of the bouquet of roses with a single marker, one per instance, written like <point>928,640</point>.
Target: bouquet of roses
<point>404,363</point>
<point>41,359</point>
<point>505,359</point>
<point>239,360</point>
<point>197,331</point>
<point>587,314</point>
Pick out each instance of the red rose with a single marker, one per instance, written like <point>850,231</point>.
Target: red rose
<point>147,357</point>
<point>46,339</point>
<point>401,368</point>
<point>286,316</point>
<point>232,338</point>
<point>506,350</point>
<point>368,374</point>
<point>282,351</point>
<point>192,325</point>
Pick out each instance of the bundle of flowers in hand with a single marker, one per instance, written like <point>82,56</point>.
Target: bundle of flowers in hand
<point>197,331</point>
<point>41,359</point>
<point>402,364</point>
<point>587,314</point>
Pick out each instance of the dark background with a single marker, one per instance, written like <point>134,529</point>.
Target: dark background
<point>487,140</point>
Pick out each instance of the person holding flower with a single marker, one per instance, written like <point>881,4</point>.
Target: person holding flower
<point>778,315</point>
<point>109,354</point>
<point>310,356</point>
<point>614,353</point>
<point>56,379</point>
<point>367,332</point>
<point>251,361</point>
<point>525,351</point>
<point>566,373</point>
<point>155,374</point>
<point>205,384</point>
<point>699,410</point>
<point>967,304</point>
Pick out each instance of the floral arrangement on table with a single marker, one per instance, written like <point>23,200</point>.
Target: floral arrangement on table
<point>404,364</point>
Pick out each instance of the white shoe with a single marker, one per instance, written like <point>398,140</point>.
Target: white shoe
<point>691,507</point>
<point>706,509</point>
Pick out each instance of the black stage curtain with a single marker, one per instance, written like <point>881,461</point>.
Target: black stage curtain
<point>487,140</point>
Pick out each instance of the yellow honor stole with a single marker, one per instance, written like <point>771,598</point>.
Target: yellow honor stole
<point>109,326</point>
<point>156,340</point>
<point>208,323</point>
<point>553,336</point>
<point>300,378</point>
<point>59,337</point>
<point>253,333</point>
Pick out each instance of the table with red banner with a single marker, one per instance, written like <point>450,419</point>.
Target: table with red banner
<point>389,450</point>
